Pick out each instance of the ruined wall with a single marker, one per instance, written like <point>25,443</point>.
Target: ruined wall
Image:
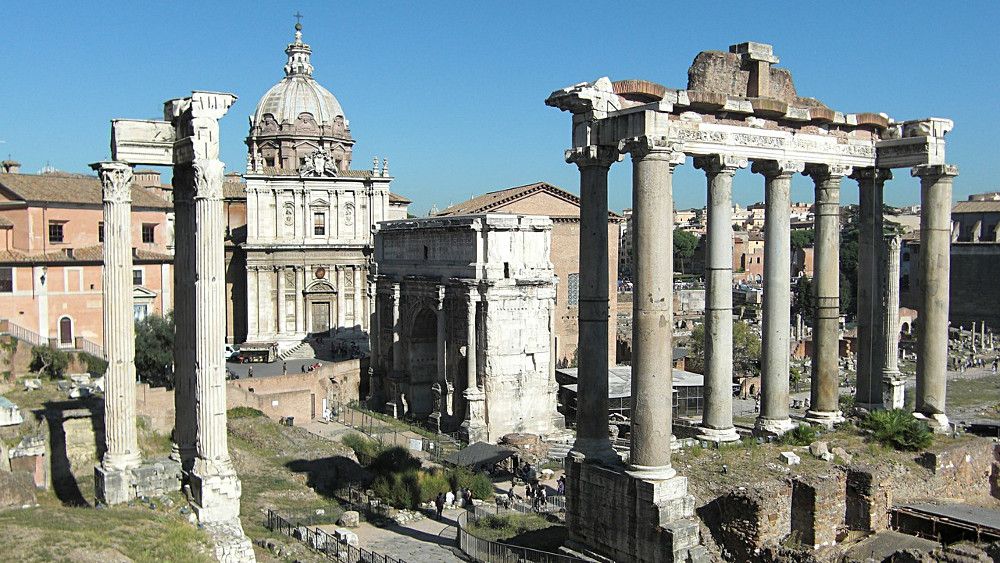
<point>818,508</point>
<point>744,521</point>
<point>960,471</point>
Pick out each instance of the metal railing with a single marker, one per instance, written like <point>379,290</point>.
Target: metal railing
<point>21,333</point>
<point>325,543</point>
<point>488,551</point>
<point>92,348</point>
<point>389,434</point>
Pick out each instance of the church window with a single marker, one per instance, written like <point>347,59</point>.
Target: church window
<point>573,288</point>
<point>319,224</point>
<point>269,162</point>
<point>6,280</point>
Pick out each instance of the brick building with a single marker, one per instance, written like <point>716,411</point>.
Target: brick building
<point>563,208</point>
<point>51,256</point>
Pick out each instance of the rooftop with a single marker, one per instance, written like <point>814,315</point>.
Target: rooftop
<point>69,190</point>
<point>620,380</point>
<point>490,201</point>
<point>93,254</point>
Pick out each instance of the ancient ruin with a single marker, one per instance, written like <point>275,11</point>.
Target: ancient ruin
<point>737,108</point>
<point>464,317</point>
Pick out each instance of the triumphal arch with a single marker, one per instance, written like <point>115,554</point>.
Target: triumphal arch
<point>738,111</point>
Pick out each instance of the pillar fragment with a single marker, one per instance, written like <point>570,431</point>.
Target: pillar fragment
<point>717,420</point>
<point>113,478</point>
<point>824,391</point>
<point>774,419</point>
<point>592,441</point>
<point>935,268</point>
<point>871,279</point>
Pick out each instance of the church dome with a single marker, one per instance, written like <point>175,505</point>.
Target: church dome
<point>298,93</point>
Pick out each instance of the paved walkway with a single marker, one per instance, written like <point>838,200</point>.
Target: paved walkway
<point>422,541</point>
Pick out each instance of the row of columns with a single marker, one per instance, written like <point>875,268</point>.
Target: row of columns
<point>654,160</point>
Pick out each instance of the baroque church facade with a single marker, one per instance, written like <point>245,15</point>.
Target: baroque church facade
<point>310,217</point>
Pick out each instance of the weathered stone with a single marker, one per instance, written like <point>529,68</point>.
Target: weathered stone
<point>346,536</point>
<point>842,454</point>
<point>349,519</point>
<point>790,458</point>
<point>819,449</point>
<point>818,508</point>
<point>17,489</point>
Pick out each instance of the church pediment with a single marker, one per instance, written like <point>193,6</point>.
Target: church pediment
<point>319,203</point>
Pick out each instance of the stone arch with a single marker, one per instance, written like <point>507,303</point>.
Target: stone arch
<point>321,307</point>
<point>421,359</point>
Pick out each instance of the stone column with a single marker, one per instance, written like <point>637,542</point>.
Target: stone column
<point>474,426</point>
<point>871,182</point>
<point>824,393</point>
<point>341,301</point>
<point>592,441</point>
<point>442,351</point>
<point>300,286</point>
<point>653,163</point>
<point>252,313</point>
<point>935,269</point>
<point>773,419</point>
<point>892,380</point>
<point>280,319</point>
<point>397,345</point>
<point>113,479</point>
<point>358,313</point>
<point>717,420</point>
<point>185,416</point>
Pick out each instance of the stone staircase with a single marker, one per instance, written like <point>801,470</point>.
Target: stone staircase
<point>559,450</point>
<point>301,351</point>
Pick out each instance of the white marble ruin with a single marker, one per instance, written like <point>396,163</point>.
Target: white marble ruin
<point>187,139</point>
<point>738,108</point>
<point>464,317</point>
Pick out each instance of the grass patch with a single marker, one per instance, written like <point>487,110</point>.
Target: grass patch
<point>801,435</point>
<point>505,527</point>
<point>244,412</point>
<point>898,429</point>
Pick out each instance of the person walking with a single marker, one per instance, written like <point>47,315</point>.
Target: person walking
<point>439,505</point>
<point>449,498</point>
<point>250,371</point>
<point>561,485</point>
<point>284,368</point>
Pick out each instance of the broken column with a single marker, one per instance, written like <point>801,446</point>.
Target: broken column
<point>114,479</point>
<point>893,384</point>
<point>215,487</point>
<point>935,269</point>
<point>824,392</point>
<point>592,442</point>
<point>774,417</point>
<point>717,421</point>
<point>871,182</point>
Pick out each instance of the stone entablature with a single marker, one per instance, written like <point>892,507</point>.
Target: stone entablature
<point>443,279</point>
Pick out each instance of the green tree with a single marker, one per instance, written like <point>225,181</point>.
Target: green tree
<point>49,361</point>
<point>684,246</point>
<point>801,238</point>
<point>154,350</point>
<point>804,299</point>
<point>746,350</point>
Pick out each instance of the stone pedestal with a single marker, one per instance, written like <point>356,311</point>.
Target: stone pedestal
<point>113,486</point>
<point>153,478</point>
<point>474,427</point>
<point>614,516</point>
<point>893,393</point>
<point>215,491</point>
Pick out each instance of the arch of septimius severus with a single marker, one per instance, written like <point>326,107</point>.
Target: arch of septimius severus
<point>738,109</point>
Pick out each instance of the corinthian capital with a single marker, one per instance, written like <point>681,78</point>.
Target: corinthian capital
<point>934,170</point>
<point>822,172</point>
<point>871,175</point>
<point>593,155</point>
<point>777,168</point>
<point>116,181</point>
<point>208,177</point>
<point>648,147</point>
<point>720,163</point>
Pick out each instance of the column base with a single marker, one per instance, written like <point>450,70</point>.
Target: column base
<point>215,491</point>
<point>153,478</point>
<point>938,423</point>
<point>894,391</point>
<point>474,427</point>
<point>824,418</point>
<point>717,435</point>
<point>113,486</point>
<point>594,450</point>
<point>771,428</point>
<point>651,473</point>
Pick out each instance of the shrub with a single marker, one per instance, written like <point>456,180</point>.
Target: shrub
<point>244,412</point>
<point>95,366</point>
<point>479,483</point>
<point>401,490</point>
<point>365,449</point>
<point>898,429</point>
<point>49,361</point>
<point>801,435</point>
<point>393,460</point>
<point>433,482</point>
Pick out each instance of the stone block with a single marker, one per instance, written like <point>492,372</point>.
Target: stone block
<point>346,536</point>
<point>842,454</point>
<point>868,499</point>
<point>17,490</point>
<point>157,478</point>
<point>349,519</point>
<point>113,486</point>
<point>216,497</point>
<point>790,458</point>
<point>819,449</point>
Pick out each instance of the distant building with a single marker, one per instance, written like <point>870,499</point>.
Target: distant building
<point>687,400</point>
<point>563,208</point>
<point>51,256</point>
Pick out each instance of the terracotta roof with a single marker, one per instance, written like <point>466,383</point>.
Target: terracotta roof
<point>396,198</point>
<point>76,189</point>
<point>976,207</point>
<point>92,254</point>
<point>492,200</point>
<point>234,190</point>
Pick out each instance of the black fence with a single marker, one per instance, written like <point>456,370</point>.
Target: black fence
<point>325,543</point>
<point>488,551</point>
<point>389,433</point>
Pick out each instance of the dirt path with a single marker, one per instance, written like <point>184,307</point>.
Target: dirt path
<point>422,541</point>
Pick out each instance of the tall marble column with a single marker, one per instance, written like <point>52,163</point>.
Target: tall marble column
<point>474,426</point>
<point>341,300</point>
<point>824,392</point>
<point>871,182</point>
<point>717,420</point>
<point>774,419</point>
<point>358,288</point>
<point>892,380</point>
<point>653,163</point>
<point>935,269</point>
<point>113,479</point>
<point>300,313</point>
<point>592,440</point>
<point>185,416</point>
<point>280,316</point>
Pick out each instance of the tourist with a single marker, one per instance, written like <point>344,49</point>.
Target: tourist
<point>454,498</point>
<point>561,485</point>
<point>449,498</point>
<point>439,505</point>
<point>284,368</point>
<point>250,371</point>
<point>528,493</point>
<point>543,497</point>
<point>468,498</point>
<point>510,498</point>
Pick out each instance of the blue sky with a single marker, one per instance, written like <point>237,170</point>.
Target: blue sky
<point>452,92</point>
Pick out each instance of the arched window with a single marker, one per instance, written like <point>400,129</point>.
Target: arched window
<point>65,331</point>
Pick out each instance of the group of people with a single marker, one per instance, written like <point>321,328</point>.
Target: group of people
<point>452,498</point>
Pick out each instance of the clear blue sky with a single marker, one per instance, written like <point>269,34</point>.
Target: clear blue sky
<point>453,92</point>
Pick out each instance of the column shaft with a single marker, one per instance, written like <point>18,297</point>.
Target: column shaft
<point>356,321</point>
<point>592,441</point>
<point>777,301</point>
<point>185,418</point>
<point>397,346</point>
<point>824,393</point>
<point>341,300</point>
<point>471,367</point>
<point>870,274</point>
<point>120,434</point>
<point>717,420</point>
<point>280,317</point>
<point>300,315</point>
<point>891,319</point>
<point>935,270</point>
